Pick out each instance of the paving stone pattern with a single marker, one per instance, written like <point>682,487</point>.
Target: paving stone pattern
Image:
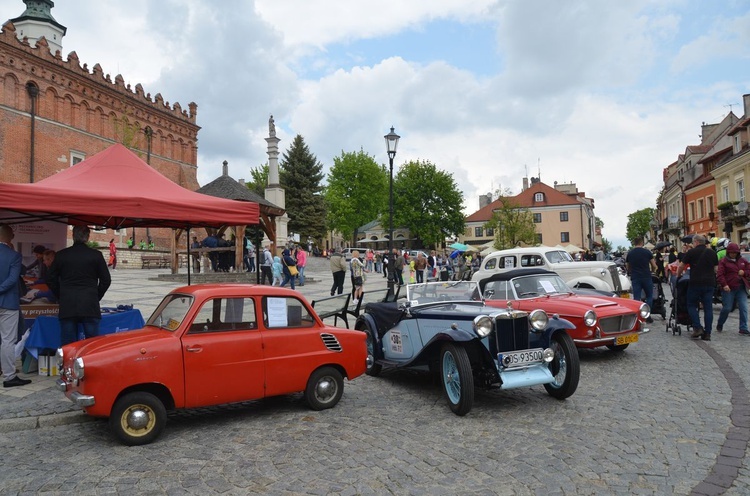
<point>667,416</point>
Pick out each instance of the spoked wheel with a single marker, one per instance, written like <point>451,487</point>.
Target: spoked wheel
<point>324,388</point>
<point>565,367</point>
<point>456,377</point>
<point>138,418</point>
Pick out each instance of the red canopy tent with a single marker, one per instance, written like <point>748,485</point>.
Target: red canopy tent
<point>116,189</point>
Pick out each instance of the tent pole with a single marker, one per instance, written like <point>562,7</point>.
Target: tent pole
<point>189,259</point>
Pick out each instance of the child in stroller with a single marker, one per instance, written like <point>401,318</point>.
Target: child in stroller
<point>659,304</point>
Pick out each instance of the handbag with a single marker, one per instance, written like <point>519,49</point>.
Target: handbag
<point>292,269</point>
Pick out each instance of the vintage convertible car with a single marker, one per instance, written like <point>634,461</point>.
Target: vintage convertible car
<point>210,345</point>
<point>599,320</point>
<point>446,327</point>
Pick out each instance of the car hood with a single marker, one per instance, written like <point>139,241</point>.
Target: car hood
<point>147,335</point>
<point>573,304</point>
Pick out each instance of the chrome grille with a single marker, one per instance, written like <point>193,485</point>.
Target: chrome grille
<point>614,275</point>
<point>618,324</point>
<point>512,331</point>
<point>331,342</point>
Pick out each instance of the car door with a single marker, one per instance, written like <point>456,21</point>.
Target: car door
<point>223,353</point>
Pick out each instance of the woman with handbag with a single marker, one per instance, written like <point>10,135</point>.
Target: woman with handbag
<point>290,268</point>
<point>358,276</point>
<point>731,277</point>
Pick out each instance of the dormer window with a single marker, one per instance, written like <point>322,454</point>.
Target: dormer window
<point>538,197</point>
<point>737,143</point>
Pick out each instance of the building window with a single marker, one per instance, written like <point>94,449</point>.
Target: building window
<point>737,143</point>
<point>725,194</point>
<point>691,211</point>
<point>539,238</point>
<point>538,197</point>
<point>477,232</point>
<point>563,216</point>
<point>709,204</point>
<point>76,157</point>
<point>565,237</point>
<point>537,218</point>
<point>700,212</point>
<point>741,190</point>
<point>490,231</point>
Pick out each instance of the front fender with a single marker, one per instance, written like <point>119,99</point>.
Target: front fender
<point>556,324</point>
<point>590,282</point>
<point>432,347</point>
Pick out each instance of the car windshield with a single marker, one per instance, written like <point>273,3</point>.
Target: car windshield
<point>171,312</point>
<point>523,287</point>
<point>558,256</point>
<point>449,291</point>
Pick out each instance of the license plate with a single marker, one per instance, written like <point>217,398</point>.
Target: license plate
<point>520,358</point>
<point>630,338</point>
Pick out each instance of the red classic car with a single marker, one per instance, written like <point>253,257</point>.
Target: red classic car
<point>599,320</point>
<point>209,345</point>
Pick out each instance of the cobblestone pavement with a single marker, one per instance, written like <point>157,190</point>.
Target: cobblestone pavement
<point>667,416</point>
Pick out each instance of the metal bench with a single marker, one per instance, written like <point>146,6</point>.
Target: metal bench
<point>375,296</point>
<point>333,306</point>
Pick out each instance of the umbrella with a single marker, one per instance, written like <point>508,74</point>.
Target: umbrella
<point>456,253</point>
<point>459,246</point>
<point>663,244</point>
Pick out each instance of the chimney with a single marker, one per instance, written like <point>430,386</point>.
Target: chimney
<point>525,184</point>
<point>746,103</point>
<point>241,181</point>
<point>225,171</point>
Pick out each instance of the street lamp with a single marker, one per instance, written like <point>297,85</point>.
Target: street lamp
<point>391,143</point>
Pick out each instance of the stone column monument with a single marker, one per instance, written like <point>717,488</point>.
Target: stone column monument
<point>274,192</point>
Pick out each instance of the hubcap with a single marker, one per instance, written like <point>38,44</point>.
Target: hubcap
<point>326,389</point>
<point>138,420</point>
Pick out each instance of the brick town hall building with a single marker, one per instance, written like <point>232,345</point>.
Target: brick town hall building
<point>55,113</point>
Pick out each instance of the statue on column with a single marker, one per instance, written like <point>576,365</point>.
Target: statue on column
<point>271,127</point>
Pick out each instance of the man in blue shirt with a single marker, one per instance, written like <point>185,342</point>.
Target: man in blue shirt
<point>10,271</point>
<point>640,263</point>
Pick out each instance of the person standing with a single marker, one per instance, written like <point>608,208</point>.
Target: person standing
<point>288,261</point>
<point>79,278</point>
<point>266,262</point>
<point>420,266</point>
<point>703,264</point>
<point>10,273</point>
<point>398,267</point>
<point>112,254</point>
<point>358,276</point>
<point>338,269</point>
<point>369,260</point>
<point>385,258</point>
<point>640,264</point>
<point>731,276</point>
<point>195,245</point>
<point>301,257</point>
<point>277,270</point>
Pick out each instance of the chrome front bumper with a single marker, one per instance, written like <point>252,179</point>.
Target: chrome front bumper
<point>609,339</point>
<point>82,400</point>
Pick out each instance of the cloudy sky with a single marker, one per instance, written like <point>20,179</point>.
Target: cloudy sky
<point>602,94</point>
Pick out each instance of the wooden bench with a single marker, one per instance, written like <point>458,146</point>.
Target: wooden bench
<point>332,306</point>
<point>375,296</point>
<point>154,260</point>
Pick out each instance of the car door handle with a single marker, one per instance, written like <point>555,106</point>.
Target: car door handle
<point>194,349</point>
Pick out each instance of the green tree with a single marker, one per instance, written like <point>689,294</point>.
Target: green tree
<point>639,223</point>
<point>258,179</point>
<point>300,175</point>
<point>606,245</point>
<point>511,223</point>
<point>428,202</point>
<point>356,192</point>
<point>599,222</point>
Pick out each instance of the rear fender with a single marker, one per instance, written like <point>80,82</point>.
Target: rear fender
<point>590,282</point>
<point>364,321</point>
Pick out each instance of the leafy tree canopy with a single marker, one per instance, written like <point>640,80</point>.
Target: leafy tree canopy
<point>512,224</point>
<point>300,175</point>
<point>639,223</point>
<point>606,245</point>
<point>428,202</point>
<point>258,179</point>
<point>356,192</point>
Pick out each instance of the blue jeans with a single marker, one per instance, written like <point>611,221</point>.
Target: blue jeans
<point>643,285</point>
<point>288,278</point>
<point>728,299</point>
<point>69,328</point>
<point>301,271</point>
<point>704,295</point>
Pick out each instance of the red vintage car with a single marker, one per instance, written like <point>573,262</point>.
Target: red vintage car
<point>599,320</point>
<point>209,345</point>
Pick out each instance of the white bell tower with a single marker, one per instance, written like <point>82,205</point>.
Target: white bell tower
<point>37,22</point>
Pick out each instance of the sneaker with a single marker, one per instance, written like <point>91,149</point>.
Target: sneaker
<point>355,301</point>
<point>719,328</point>
<point>706,337</point>
<point>744,332</point>
<point>16,381</point>
<point>697,333</point>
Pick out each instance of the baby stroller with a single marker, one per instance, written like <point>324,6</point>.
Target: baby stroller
<point>679,315</point>
<point>659,306</point>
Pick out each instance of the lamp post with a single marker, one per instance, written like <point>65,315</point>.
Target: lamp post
<point>391,143</point>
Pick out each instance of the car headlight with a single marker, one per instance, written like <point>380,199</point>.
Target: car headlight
<point>78,368</point>
<point>60,358</point>
<point>539,320</point>
<point>645,311</point>
<point>482,325</point>
<point>589,318</point>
